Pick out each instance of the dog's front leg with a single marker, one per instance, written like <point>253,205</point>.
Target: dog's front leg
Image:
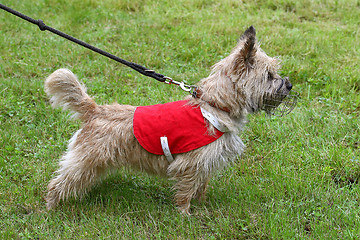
<point>201,192</point>
<point>191,183</point>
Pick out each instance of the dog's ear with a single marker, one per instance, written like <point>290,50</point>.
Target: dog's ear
<point>250,32</point>
<point>246,50</point>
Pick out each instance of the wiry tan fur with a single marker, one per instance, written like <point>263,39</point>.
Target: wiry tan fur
<point>240,83</point>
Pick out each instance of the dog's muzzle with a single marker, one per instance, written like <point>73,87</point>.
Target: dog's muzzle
<point>283,106</point>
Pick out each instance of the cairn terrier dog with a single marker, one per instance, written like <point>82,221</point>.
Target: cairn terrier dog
<point>244,82</point>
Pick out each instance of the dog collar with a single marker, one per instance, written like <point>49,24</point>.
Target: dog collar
<point>198,93</point>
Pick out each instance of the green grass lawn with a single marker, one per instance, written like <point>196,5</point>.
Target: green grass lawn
<point>299,176</point>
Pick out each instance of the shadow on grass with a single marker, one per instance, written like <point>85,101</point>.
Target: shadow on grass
<point>343,178</point>
<point>126,192</point>
<point>132,192</point>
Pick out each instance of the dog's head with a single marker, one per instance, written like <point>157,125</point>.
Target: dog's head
<point>248,78</point>
<point>256,74</point>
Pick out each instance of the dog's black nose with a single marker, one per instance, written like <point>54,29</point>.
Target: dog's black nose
<point>288,83</point>
<point>289,86</point>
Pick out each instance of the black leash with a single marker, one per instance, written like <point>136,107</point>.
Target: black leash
<point>143,70</point>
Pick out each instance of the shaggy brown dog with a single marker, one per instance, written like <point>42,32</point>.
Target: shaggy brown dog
<point>244,82</point>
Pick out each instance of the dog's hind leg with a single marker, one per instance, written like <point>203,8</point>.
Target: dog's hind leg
<point>73,179</point>
<point>79,170</point>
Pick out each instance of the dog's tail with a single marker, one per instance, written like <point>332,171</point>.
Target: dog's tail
<point>67,92</point>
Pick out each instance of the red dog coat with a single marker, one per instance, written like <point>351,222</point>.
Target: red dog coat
<point>182,124</point>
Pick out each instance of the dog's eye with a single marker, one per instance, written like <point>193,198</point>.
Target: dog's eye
<point>270,76</point>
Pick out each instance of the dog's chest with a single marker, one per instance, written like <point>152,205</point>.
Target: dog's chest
<point>183,125</point>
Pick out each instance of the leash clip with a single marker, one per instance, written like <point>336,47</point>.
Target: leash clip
<point>186,88</point>
<point>182,85</point>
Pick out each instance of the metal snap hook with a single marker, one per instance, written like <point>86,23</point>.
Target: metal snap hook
<point>183,87</point>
